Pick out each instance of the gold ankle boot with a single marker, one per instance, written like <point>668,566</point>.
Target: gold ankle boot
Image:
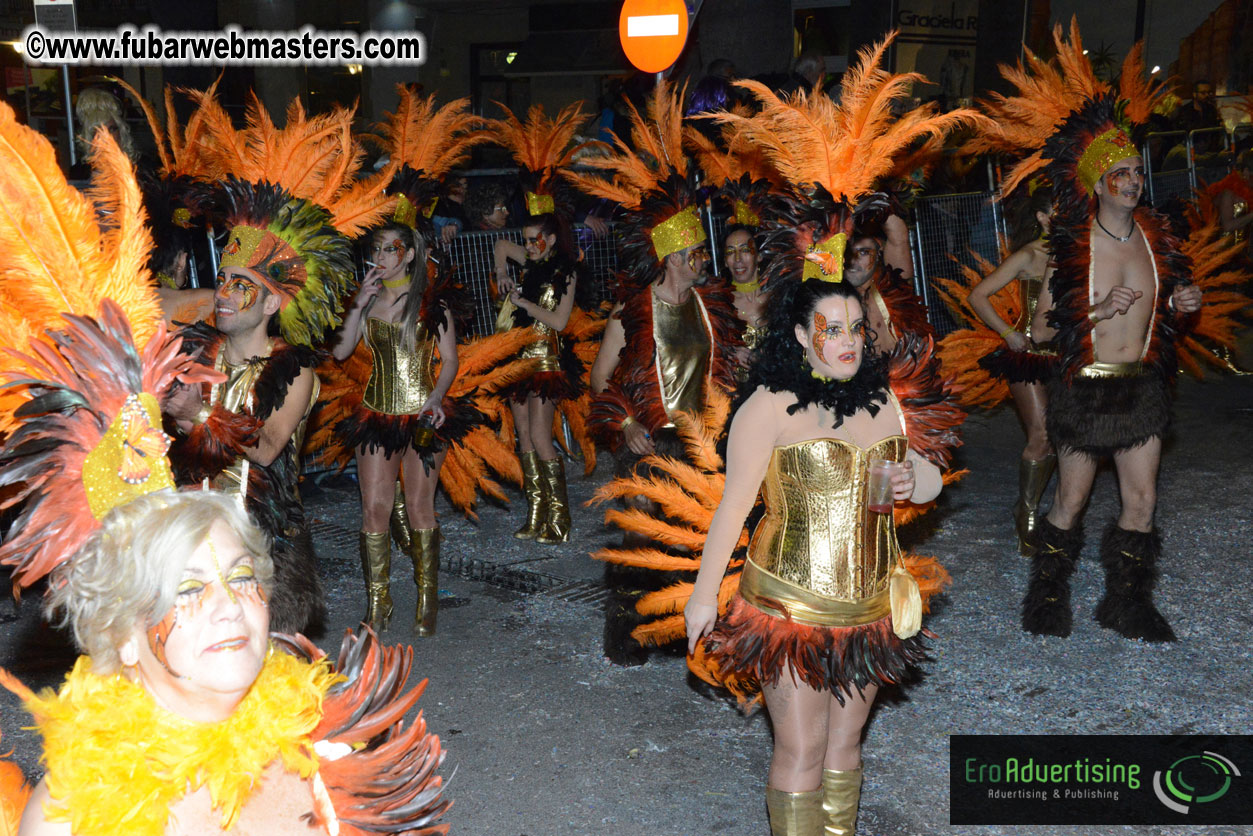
<point>557,522</point>
<point>399,521</point>
<point>841,794</point>
<point>1033,478</point>
<point>794,813</point>
<point>424,550</point>
<point>535,489</point>
<point>376,563</point>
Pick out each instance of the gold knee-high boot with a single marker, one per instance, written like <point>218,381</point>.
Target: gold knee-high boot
<point>424,549</point>
<point>399,521</point>
<point>557,521</point>
<point>841,794</point>
<point>794,813</point>
<point>1033,478</point>
<point>376,562</point>
<point>535,489</point>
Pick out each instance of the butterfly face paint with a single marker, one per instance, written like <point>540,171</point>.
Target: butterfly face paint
<point>837,344</point>
<point>536,243</point>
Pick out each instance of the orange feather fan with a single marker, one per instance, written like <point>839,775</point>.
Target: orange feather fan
<point>961,350</point>
<point>1216,269</point>
<point>848,147</point>
<point>55,255</point>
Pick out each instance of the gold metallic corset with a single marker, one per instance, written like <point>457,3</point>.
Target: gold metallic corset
<point>548,349</point>
<point>682,341</point>
<point>401,380</point>
<point>1029,287</point>
<point>819,550</point>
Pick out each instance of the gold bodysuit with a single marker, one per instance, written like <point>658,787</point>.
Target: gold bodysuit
<point>683,345</point>
<point>819,551</point>
<point>400,381</point>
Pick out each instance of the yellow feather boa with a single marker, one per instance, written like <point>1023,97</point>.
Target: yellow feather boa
<point>117,761</point>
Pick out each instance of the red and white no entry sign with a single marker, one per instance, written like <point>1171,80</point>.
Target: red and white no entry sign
<point>652,32</point>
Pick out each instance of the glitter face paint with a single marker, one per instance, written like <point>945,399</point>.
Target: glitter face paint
<point>249,291</point>
<point>1125,181</point>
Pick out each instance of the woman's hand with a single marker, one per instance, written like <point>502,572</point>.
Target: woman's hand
<point>903,481</point>
<point>1017,341</point>
<point>435,407</point>
<point>515,296</point>
<point>504,282</point>
<point>700,619</point>
<point>371,284</point>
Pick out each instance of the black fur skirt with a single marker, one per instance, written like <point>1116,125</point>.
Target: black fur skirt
<point>369,430</point>
<point>560,385</point>
<point>1100,416</point>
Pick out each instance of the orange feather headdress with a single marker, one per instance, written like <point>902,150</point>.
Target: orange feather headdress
<point>424,143</point>
<point>1054,102</point>
<point>294,201</point>
<point>833,155</point>
<point>649,177</point>
<point>543,147</point>
<point>87,359</point>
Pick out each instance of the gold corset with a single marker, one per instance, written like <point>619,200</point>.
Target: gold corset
<point>819,550</point>
<point>546,350</point>
<point>682,341</point>
<point>1029,287</point>
<point>400,381</point>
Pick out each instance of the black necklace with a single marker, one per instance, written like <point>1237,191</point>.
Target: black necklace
<point>1119,238</point>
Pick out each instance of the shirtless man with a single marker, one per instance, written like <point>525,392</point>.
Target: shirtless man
<point>1111,399</point>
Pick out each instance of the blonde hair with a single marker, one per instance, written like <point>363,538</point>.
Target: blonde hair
<point>98,108</point>
<point>127,574</point>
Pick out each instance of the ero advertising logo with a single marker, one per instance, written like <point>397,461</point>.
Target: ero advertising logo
<point>1099,779</point>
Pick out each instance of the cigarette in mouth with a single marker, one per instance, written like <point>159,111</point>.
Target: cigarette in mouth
<point>370,264</point>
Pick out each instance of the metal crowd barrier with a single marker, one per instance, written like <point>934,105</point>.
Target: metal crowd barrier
<point>948,227</point>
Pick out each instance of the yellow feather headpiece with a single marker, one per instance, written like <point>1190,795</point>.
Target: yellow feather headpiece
<point>86,355</point>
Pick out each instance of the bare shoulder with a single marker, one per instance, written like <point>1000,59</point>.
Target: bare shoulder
<point>34,821</point>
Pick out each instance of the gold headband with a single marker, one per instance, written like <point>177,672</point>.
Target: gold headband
<point>678,233</point>
<point>825,260</point>
<point>1106,151</point>
<point>745,215</point>
<point>539,204</point>
<point>130,459</point>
